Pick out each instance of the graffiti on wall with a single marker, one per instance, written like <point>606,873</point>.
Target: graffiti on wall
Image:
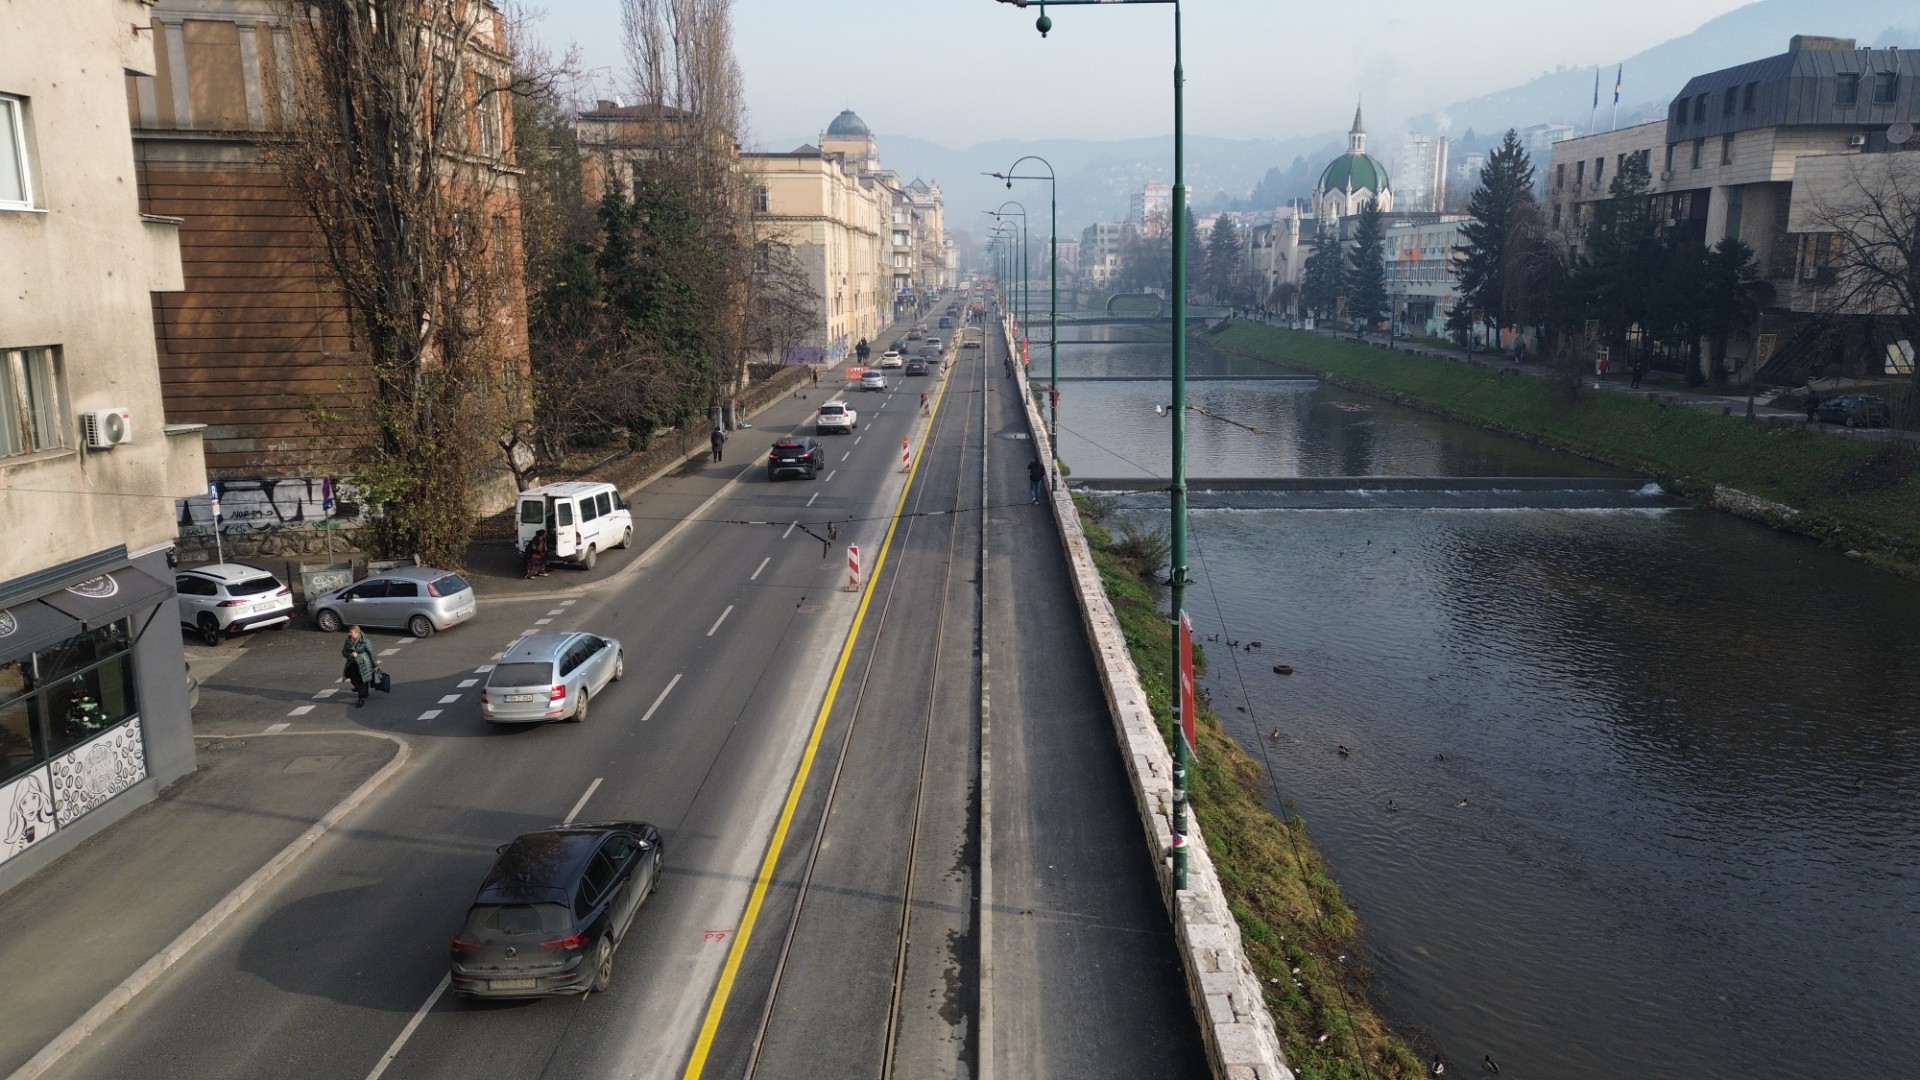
<point>96,771</point>
<point>266,505</point>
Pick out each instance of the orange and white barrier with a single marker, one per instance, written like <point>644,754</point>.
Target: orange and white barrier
<point>906,456</point>
<point>853,567</point>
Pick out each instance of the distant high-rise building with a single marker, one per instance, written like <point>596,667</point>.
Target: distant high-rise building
<point>1539,140</point>
<point>1422,176</point>
<point>1149,207</point>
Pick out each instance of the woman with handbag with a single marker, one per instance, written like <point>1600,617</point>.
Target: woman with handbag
<point>361,665</point>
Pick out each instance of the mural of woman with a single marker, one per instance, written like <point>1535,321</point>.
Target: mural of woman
<point>29,814</point>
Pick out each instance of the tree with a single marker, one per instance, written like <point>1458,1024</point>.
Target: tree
<point>783,307</point>
<point>397,152</point>
<point>1146,262</point>
<point>1324,277</point>
<point>1628,269</point>
<point>1864,255</point>
<point>1481,262</point>
<point>1367,267</point>
<point>1223,259</point>
<point>1731,297</point>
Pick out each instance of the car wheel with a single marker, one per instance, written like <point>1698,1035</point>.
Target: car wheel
<point>580,711</point>
<point>626,538</point>
<point>619,666</point>
<point>209,628</point>
<point>328,620</point>
<point>602,965</point>
<point>591,558</point>
<point>420,626</point>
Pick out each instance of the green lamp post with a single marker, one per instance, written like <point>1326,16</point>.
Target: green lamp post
<point>1177,489</point>
<point>1053,302</point>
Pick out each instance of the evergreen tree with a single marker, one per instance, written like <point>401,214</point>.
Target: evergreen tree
<point>1223,258</point>
<point>1324,277</point>
<point>1482,261</point>
<point>1631,278</point>
<point>1731,296</point>
<point>1367,266</point>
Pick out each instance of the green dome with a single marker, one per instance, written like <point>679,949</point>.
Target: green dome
<point>1356,171</point>
<point>847,123</point>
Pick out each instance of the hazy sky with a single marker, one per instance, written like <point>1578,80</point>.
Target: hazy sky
<point>959,72</point>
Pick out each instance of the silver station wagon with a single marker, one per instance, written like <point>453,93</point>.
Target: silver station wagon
<point>546,677</point>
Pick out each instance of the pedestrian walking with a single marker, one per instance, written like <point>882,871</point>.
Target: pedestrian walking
<point>719,440</point>
<point>1036,481</point>
<point>536,556</point>
<point>816,375</point>
<point>361,668</point>
<point>923,403</point>
<point>1605,363</point>
<point>1639,370</point>
<point>1813,401</point>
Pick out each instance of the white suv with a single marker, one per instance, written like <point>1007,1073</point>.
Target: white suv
<point>891,358</point>
<point>229,598</point>
<point>836,416</point>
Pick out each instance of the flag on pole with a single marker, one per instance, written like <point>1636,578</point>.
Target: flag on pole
<point>326,495</point>
<point>1596,88</point>
<point>1621,70</point>
<point>1188,702</point>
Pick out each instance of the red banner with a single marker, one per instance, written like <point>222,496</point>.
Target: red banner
<point>1187,702</point>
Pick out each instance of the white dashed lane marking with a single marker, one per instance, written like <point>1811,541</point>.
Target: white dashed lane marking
<point>464,683</point>
<point>484,668</point>
<point>830,476</point>
<point>721,619</point>
<point>846,455</point>
<point>762,566</point>
<point>541,622</point>
<point>449,699</point>
<point>388,652</point>
<point>812,497</point>
<point>430,714</point>
<point>275,729</point>
<point>582,804</point>
<point>671,683</point>
<point>558,611</point>
<point>301,710</point>
<point>325,694</point>
<point>789,531</point>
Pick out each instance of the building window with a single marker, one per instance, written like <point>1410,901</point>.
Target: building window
<point>1599,167</point>
<point>1700,109</point>
<point>1579,173</point>
<point>1559,176</point>
<point>1646,160</point>
<point>762,200</point>
<point>1846,90</point>
<point>1556,215</point>
<point>1699,149</point>
<point>1670,147</point>
<point>1680,113</point>
<point>1726,149</point>
<point>63,695</point>
<point>1886,85</point>
<point>1726,104</point>
<point>16,187</point>
<point>32,415</point>
<point>1746,96</point>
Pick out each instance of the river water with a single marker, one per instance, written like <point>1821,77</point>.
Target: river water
<point>1631,789</point>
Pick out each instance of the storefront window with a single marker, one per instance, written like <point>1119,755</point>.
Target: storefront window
<point>64,695</point>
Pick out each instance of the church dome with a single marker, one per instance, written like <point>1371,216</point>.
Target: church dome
<point>847,123</point>
<point>1355,171</point>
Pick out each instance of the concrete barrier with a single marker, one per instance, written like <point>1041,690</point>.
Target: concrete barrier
<point>1242,1042</point>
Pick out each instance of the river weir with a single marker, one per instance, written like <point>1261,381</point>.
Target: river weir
<point>1629,787</point>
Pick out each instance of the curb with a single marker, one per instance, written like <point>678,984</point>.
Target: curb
<point>1238,1030</point>
<point>148,973</point>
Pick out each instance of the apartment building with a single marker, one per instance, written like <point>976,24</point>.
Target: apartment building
<point>816,203</point>
<point>1420,280</point>
<point>93,699</point>
<point>919,261</point>
<point>1421,180</point>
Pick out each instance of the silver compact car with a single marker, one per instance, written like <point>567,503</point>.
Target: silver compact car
<point>417,599</point>
<point>546,677</point>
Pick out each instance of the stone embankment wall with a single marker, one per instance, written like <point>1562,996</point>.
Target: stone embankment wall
<point>1242,1042</point>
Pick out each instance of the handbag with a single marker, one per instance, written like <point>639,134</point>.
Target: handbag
<point>383,681</point>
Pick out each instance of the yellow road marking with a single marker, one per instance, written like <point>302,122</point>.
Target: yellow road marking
<point>717,1006</point>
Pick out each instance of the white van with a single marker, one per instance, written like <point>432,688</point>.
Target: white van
<point>582,519</point>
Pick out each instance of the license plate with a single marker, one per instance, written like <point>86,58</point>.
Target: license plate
<point>519,697</point>
<point>513,984</point>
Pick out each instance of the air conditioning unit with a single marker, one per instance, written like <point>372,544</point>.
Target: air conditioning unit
<point>1856,141</point>
<point>1666,174</point>
<point>106,428</point>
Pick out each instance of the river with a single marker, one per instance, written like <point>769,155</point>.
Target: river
<point>1631,788</point>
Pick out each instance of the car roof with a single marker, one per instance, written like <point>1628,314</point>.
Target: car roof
<point>792,440</point>
<point>569,487</point>
<point>542,866</point>
<point>226,572</point>
<point>533,648</point>
<point>412,573</point>
<point>834,404</point>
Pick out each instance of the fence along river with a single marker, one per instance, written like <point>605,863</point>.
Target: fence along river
<point>1631,788</point>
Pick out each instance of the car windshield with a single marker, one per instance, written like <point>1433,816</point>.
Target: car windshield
<point>253,586</point>
<point>518,918</point>
<point>786,446</point>
<point>522,674</point>
<point>533,512</point>
<point>447,586</point>
<point>831,410</point>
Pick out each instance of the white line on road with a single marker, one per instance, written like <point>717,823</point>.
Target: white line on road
<point>388,652</point>
<point>275,729</point>
<point>325,694</point>
<point>857,438</point>
<point>671,683</point>
<point>849,454</point>
<point>495,656</point>
<point>721,619</point>
<point>484,668</point>
<point>796,524</point>
<point>543,622</point>
<point>450,699</point>
<point>413,1025</point>
<point>301,710</point>
<point>582,804</point>
<point>558,611</point>
<point>464,683</point>
<point>408,640</point>
<point>830,475</point>
<point>430,714</point>
<point>762,566</point>
<point>566,603</point>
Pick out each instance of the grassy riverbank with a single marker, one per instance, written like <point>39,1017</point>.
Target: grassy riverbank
<point>1848,492</point>
<point>1297,927</point>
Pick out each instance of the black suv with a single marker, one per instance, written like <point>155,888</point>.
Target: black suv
<point>1853,410</point>
<point>799,454</point>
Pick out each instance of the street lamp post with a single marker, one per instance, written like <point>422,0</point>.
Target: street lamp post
<point>1053,303</point>
<point>1025,307</point>
<point>1177,489</point>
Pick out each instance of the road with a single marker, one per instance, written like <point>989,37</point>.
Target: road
<point>858,956</point>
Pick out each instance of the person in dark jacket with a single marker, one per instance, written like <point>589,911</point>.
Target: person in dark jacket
<point>536,556</point>
<point>361,666</point>
<point>719,440</point>
<point>1036,481</point>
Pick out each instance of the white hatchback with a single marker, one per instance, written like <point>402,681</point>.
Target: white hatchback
<point>891,358</point>
<point>836,416</point>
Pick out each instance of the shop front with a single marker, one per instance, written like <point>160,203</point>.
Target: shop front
<point>93,716</point>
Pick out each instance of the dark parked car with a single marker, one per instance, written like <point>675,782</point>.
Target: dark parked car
<point>946,320</point>
<point>917,366</point>
<point>553,909</point>
<point>898,345</point>
<point>1853,410</point>
<point>799,454</point>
